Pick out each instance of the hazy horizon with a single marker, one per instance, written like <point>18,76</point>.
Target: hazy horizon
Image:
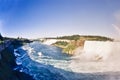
<point>52,18</point>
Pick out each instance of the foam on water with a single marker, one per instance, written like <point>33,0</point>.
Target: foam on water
<point>49,63</point>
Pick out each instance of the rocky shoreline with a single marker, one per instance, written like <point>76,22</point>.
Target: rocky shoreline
<point>7,61</point>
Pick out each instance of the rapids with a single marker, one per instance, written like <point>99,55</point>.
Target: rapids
<point>97,61</point>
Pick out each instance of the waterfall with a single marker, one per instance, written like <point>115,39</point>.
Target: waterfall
<point>100,50</point>
<point>97,56</point>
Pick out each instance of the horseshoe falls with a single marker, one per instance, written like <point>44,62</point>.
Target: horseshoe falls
<point>96,61</point>
<point>97,56</point>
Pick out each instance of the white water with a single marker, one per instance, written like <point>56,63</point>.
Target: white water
<point>49,42</point>
<point>96,56</point>
<point>52,41</point>
<point>104,50</point>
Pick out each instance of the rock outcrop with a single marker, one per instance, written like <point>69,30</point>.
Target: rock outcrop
<point>7,62</point>
<point>1,38</point>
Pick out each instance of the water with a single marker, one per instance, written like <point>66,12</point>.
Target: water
<point>45,62</point>
<point>97,57</point>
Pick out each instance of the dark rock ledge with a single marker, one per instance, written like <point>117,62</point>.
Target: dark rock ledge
<point>7,61</point>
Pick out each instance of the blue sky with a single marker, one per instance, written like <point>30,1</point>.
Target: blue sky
<point>43,18</point>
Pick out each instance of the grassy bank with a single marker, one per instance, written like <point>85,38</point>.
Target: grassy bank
<point>69,47</point>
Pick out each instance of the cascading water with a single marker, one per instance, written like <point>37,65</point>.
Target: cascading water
<point>46,62</point>
<point>97,56</point>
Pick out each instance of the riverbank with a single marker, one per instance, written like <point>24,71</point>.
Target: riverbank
<point>7,61</point>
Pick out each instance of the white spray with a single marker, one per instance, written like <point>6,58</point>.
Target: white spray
<point>97,56</point>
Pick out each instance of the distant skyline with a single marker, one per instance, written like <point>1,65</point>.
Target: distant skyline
<point>51,18</point>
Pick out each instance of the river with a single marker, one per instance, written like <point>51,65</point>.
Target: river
<point>47,62</point>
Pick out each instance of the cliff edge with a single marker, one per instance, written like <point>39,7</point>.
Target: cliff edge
<point>7,62</point>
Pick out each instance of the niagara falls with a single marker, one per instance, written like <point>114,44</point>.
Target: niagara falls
<point>59,39</point>
<point>100,58</point>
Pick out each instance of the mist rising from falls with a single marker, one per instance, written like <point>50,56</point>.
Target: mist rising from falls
<point>99,50</point>
<point>97,56</point>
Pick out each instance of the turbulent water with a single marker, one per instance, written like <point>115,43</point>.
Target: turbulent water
<point>46,62</point>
